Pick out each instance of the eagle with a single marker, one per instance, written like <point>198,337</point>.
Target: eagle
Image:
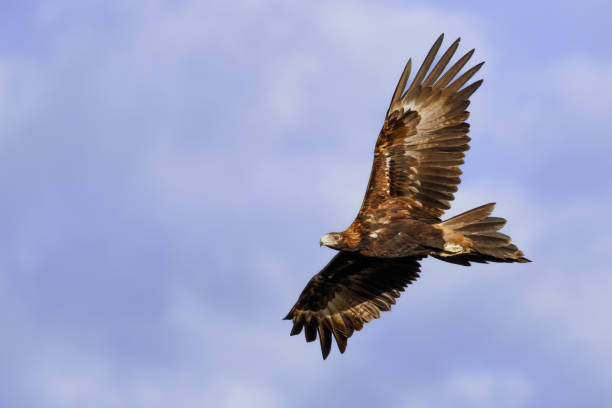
<point>414,176</point>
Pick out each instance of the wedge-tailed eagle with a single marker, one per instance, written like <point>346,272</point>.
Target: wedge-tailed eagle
<point>414,175</point>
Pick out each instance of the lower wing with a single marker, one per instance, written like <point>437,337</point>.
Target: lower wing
<point>351,290</point>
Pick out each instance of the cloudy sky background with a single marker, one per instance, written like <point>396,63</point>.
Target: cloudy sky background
<point>167,169</point>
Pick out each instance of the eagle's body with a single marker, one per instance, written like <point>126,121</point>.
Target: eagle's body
<point>390,236</point>
<point>414,176</point>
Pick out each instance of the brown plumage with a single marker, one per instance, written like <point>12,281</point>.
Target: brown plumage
<point>414,176</point>
<point>350,291</point>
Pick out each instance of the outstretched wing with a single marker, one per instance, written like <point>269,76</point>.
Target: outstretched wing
<point>423,138</point>
<point>350,291</point>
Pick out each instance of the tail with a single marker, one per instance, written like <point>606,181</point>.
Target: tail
<point>473,237</point>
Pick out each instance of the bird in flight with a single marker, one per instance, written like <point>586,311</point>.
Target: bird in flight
<point>414,176</point>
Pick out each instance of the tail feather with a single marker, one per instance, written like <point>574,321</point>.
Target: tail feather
<point>491,224</point>
<point>489,241</point>
<point>471,217</point>
<point>487,244</point>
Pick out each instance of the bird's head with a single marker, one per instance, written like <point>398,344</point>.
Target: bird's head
<point>333,240</point>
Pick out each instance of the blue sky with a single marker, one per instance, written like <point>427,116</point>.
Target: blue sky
<point>167,170</point>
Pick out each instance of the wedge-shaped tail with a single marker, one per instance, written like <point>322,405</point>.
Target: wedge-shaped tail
<point>473,237</point>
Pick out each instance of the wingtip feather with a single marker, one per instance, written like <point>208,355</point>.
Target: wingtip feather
<point>431,55</point>
<point>325,340</point>
<point>401,84</point>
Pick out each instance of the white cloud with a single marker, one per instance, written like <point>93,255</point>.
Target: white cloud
<point>382,35</point>
<point>559,105</point>
<point>22,91</point>
<point>67,372</point>
<point>473,390</point>
<point>586,86</point>
<point>284,90</point>
<point>573,303</point>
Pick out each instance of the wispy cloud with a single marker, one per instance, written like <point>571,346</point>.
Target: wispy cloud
<point>168,169</point>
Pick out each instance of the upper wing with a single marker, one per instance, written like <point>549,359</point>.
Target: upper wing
<point>350,291</point>
<point>423,138</point>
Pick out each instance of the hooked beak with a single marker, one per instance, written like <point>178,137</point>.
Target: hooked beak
<point>325,240</point>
